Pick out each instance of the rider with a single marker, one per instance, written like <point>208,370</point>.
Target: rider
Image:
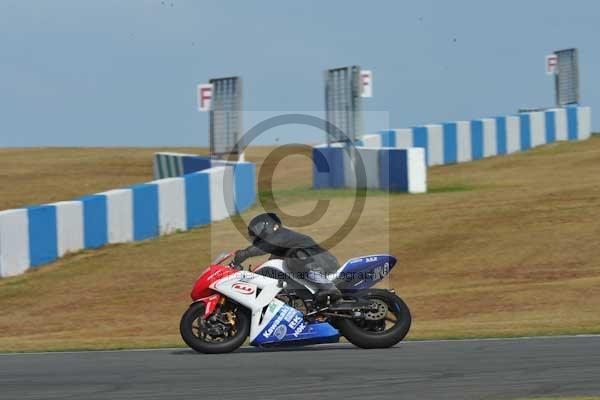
<point>304,257</point>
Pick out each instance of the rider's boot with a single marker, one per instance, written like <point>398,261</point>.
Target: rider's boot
<point>328,295</point>
<point>326,292</point>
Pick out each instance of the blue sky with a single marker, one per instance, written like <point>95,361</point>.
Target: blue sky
<point>113,73</point>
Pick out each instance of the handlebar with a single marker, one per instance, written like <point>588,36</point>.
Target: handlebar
<point>238,267</point>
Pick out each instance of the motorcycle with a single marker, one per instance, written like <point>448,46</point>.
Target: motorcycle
<point>273,307</point>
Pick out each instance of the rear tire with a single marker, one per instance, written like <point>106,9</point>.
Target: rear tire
<point>196,312</point>
<point>366,339</point>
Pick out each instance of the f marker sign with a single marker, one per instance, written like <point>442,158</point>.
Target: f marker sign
<point>366,83</point>
<point>204,93</point>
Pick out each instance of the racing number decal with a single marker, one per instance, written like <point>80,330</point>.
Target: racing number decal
<point>381,271</point>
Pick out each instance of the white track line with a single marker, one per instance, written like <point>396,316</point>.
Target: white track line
<point>333,345</point>
<point>498,339</point>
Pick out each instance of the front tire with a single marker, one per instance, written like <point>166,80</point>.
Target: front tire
<point>191,334</point>
<point>372,334</point>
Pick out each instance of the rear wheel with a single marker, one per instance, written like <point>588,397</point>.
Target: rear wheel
<point>222,332</point>
<point>383,327</point>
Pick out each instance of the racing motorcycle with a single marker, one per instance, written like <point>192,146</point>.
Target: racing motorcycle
<point>273,307</point>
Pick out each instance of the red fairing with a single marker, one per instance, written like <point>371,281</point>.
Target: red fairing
<point>212,274</point>
<point>210,303</point>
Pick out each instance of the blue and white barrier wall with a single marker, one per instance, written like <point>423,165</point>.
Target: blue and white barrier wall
<point>461,141</point>
<point>33,236</point>
<point>398,170</point>
<point>172,165</point>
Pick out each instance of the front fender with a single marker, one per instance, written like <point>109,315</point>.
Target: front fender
<point>210,303</point>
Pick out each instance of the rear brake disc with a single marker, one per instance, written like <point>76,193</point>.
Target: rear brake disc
<point>379,313</point>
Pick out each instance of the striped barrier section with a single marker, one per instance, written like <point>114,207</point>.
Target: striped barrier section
<point>172,165</point>
<point>34,236</point>
<point>390,169</point>
<point>462,141</point>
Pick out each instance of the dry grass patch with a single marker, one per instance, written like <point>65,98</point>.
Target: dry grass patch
<point>43,175</point>
<point>501,247</point>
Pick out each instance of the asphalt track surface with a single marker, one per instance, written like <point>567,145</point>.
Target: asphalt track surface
<point>469,369</point>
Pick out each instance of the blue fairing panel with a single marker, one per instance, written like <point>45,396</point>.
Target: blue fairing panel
<point>363,272</point>
<point>288,326</point>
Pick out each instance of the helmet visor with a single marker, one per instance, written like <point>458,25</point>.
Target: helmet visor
<point>256,229</point>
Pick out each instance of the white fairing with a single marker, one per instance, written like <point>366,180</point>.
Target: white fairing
<point>242,287</point>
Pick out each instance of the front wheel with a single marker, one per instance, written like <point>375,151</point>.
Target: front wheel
<point>382,328</point>
<point>222,332</point>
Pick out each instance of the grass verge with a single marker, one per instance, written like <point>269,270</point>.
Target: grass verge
<point>502,247</point>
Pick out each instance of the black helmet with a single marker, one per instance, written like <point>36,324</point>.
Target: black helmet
<point>262,225</point>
